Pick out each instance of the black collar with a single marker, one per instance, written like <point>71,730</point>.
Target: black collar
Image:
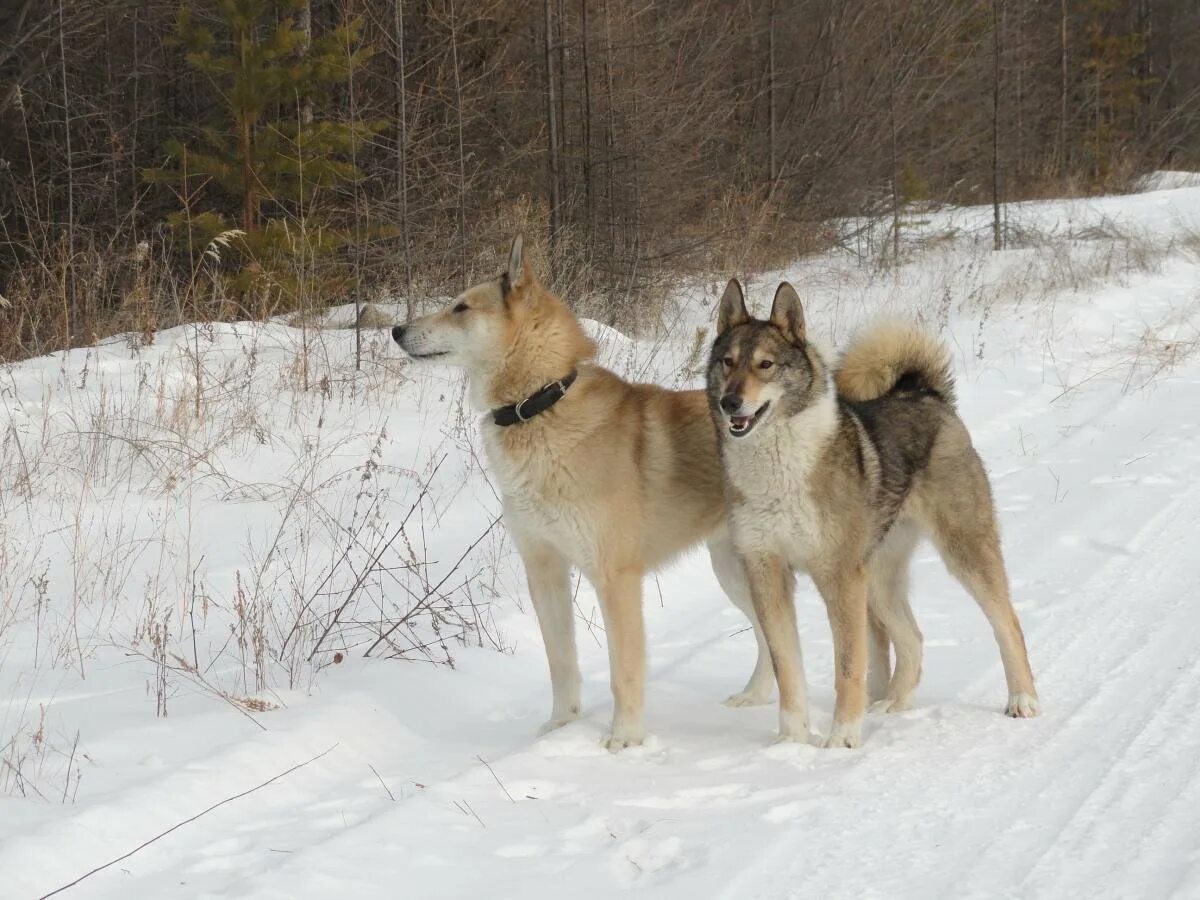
<point>537,402</point>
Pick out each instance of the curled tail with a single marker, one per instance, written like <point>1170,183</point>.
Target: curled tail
<point>894,357</point>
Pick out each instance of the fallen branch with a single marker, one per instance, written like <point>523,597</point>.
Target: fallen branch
<point>163,834</point>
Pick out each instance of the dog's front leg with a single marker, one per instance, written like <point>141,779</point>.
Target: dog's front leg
<point>772,589</point>
<point>550,589</point>
<point>620,590</point>
<point>845,596</point>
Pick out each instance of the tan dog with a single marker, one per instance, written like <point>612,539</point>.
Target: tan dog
<point>613,478</point>
<point>838,475</point>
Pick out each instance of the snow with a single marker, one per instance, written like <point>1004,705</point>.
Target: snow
<point>123,509</point>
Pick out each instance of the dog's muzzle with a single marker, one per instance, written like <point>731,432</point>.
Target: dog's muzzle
<point>739,426</point>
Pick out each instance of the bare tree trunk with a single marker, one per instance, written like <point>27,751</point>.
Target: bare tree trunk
<point>552,140</point>
<point>892,63</point>
<point>566,166</point>
<point>135,175</point>
<point>997,239</point>
<point>358,211</point>
<point>635,240</point>
<point>1063,154</point>
<point>772,169</point>
<point>1020,70</point>
<point>610,137</point>
<point>305,22</point>
<point>1145,68</point>
<point>1097,164</point>
<point>69,294</point>
<point>112,119</point>
<point>462,165</point>
<point>588,211</point>
<point>835,61</point>
<point>245,146</point>
<point>1167,92</point>
<point>402,151</point>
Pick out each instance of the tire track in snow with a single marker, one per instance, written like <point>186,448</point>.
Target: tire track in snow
<point>1131,791</point>
<point>1143,671</point>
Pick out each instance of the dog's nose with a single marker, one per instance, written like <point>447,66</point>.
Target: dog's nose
<point>731,403</point>
<point>397,333</point>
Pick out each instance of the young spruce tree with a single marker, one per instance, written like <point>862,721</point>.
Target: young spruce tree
<point>280,168</point>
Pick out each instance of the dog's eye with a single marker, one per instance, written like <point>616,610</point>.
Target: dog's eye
<point>728,361</point>
<point>766,364</point>
<point>462,307</point>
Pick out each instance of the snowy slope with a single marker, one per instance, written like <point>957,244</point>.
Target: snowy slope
<point>1074,352</point>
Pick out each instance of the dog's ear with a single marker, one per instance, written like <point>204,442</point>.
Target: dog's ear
<point>516,257</point>
<point>519,272</point>
<point>731,310</point>
<point>787,314</point>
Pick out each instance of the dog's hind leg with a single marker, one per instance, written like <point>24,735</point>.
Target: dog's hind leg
<point>971,550</point>
<point>879,665</point>
<point>620,590</point>
<point>888,598</point>
<point>550,589</point>
<point>731,575</point>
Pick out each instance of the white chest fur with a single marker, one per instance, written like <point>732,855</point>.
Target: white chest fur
<point>540,499</point>
<point>772,471</point>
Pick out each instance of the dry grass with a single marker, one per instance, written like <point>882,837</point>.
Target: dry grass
<point>120,474</point>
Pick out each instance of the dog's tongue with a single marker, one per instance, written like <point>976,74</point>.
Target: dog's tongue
<point>739,422</point>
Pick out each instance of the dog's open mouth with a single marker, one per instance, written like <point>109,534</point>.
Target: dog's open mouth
<point>739,426</point>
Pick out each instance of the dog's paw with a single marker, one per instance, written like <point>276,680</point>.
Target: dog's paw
<point>793,727</point>
<point>558,720</point>
<point>793,737</point>
<point>891,705</point>
<point>622,737</point>
<point>1022,706</point>
<point>748,698</point>
<point>845,735</point>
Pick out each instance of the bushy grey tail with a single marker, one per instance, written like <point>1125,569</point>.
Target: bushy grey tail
<point>894,356</point>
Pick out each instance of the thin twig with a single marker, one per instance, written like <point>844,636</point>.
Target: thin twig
<point>465,808</point>
<point>187,821</point>
<point>497,777</point>
<point>399,530</point>
<point>22,781</point>
<point>70,762</point>
<point>382,783</point>
<point>433,590</point>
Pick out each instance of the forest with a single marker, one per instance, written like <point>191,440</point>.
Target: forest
<point>163,163</point>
